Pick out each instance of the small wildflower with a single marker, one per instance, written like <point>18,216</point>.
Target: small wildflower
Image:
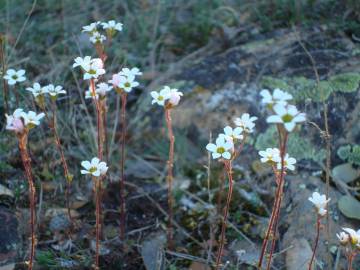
<point>246,122</point>
<point>130,72</point>
<point>343,238</point>
<point>320,203</point>
<point>160,97</point>
<point>233,133</point>
<point>287,115</point>
<point>94,167</point>
<point>96,37</point>
<point>92,68</point>
<point>103,88</point>
<point>126,83</point>
<point>278,97</point>
<point>221,148</point>
<point>37,90</point>
<point>288,163</point>
<point>270,155</point>
<point>14,122</point>
<point>32,119</point>
<point>90,94</point>
<point>54,91</point>
<point>174,96</point>
<point>354,235</point>
<point>84,63</point>
<point>12,76</point>
<point>112,25</point>
<point>91,27</point>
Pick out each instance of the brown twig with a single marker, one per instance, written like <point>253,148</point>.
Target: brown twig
<point>170,165</point>
<point>27,166</point>
<point>318,225</point>
<point>228,167</point>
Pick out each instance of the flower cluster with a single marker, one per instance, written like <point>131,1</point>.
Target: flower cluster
<point>95,167</point>
<point>101,90</point>
<point>15,76</point>
<point>284,113</point>
<point>272,156</point>
<point>349,236</point>
<point>91,67</point>
<point>320,202</point>
<point>224,146</point>
<point>39,91</point>
<point>20,120</point>
<point>124,81</point>
<point>94,30</point>
<point>167,97</point>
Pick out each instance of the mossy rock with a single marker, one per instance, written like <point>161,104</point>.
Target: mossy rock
<point>302,88</point>
<point>298,146</point>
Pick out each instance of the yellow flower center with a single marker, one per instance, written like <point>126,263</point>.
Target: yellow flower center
<point>287,118</point>
<point>220,150</point>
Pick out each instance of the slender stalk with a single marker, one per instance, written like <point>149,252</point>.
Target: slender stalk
<point>27,166</point>
<point>318,224</point>
<point>16,96</point>
<point>170,164</point>
<point>68,176</point>
<point>228,167</point>
<point>98,188</point>
<point>3,68</point>
<point>122,165</point>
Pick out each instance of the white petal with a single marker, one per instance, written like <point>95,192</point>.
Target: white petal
<point>274,119</point>
<point>226,155</point>
<point>211,147</point>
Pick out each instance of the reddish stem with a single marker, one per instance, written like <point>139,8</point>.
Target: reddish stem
<point>98,118</point>
<point>318,224</point>
<point>170,164</point>
<point>122,165</point>
<point>228,167</point>
<point>27,166</point>
<point>98,220</point>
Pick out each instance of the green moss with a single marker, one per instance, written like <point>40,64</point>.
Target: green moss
<point>350,153</point>
<point>302,88</point>
<point>298,146</point>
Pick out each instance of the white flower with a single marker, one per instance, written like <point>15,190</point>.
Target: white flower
<point>320,202</point>
<point>112,25</point>
<point>354,235</point>
<point>160,97</point>
<point>32,118</point>
<point>221,148</point>
<point>37,90</point>
<point>343,237</point>
<point>95,69</point>
<point>91,27</point>
<point>288,163</point>
<point>287,115</point>
<point>270,155</point>
<point>54,90</point>
<point>14,122</point>
<point>233,133</point>
<point>127,83</point>
<point>96,37</point>
<point>278,97</point>
<point>130,72</point>
<point>84,63</point>
<point>12,76</point>
<point>246,122</point>
<point>174,96</point>
<point>90,94</point>
<point>103,88</point>
<point>95,167</point>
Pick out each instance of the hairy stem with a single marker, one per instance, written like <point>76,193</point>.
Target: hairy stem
<point>27,166</point>
<point>316,241</point>
<point>170,164</point>
<point>228,167</point>
<point>122,166</point>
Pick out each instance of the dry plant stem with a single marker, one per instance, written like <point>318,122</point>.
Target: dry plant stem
<point>27,166</point>
<point>3,68</point>
<point>318,224</point>
<point>282,141</point>
<point>228,167</point>
<point>122,166</point>
<point>170,175</point>
<point>62,158</point>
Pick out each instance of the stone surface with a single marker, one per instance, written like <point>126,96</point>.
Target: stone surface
<point>9,236</point>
